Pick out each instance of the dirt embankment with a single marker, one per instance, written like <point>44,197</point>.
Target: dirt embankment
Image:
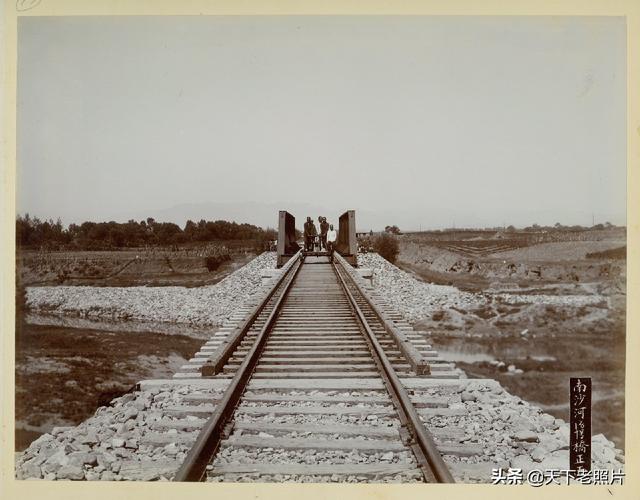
<point>498,319</point>
<point>546,289</point>
<point>545,263</point>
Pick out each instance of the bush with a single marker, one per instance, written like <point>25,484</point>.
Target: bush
<point>387,246</point>
<point>213,262</point>
<point>217,255</point>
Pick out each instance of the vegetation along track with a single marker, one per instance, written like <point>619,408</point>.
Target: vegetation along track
<point>315,389</point>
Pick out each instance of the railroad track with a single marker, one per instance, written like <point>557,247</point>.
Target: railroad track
<point>314,391</point>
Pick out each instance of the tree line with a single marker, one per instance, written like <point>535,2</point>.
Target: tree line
<point>36,233</point>
<point>561,227</point>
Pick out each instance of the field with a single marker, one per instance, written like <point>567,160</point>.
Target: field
<point>559,251</point>
<point>483,260</point>
<point>479,247</point>
<point>187,266</point>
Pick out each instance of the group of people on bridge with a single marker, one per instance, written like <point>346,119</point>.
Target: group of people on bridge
<point>324,240</point>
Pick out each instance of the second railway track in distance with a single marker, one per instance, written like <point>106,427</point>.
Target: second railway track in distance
<point>315,390</point>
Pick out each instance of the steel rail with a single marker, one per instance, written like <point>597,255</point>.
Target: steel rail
<point>418,363</point>
<point>195,463</point>
<point>435,464</point>
<point>215,364</point>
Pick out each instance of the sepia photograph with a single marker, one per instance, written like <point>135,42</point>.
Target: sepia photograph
<point>321,249</point>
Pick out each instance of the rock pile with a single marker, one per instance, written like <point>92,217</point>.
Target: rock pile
<point>513,433</point>
<point>120,442</point>
<point>413,298</point>
<point>555,300</point>
<point>203,306</point>
<point>421,302</point>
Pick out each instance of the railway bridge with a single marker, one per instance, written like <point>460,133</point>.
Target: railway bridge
<point>288,244</point>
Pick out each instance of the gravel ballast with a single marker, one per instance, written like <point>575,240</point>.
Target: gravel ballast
<point>202,306</point>
<point>413,298</point>
<point>117,443</point>
<point>512,433</point>
<point>120,442</point>
<point>417,300</point>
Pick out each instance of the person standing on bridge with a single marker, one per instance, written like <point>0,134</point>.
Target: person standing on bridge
<point>309,234</point>
<point>319,238</point>
<point>331,238</point>
<point>324,227</point>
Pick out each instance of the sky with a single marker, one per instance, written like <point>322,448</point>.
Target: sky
<point>422,122</point>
